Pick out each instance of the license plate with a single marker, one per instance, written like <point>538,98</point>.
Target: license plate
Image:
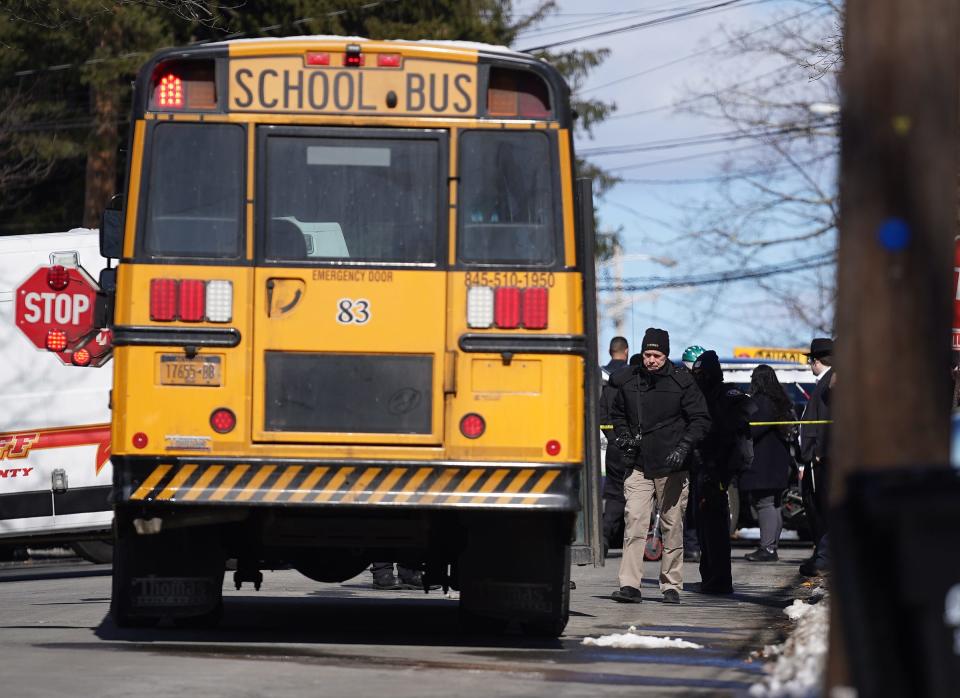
<point>176,369</point>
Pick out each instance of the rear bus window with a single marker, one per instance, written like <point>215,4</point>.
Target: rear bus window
<point>506,200</point>
<point>194,191</point>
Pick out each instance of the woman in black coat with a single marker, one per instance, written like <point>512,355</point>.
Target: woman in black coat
<point>766,480</point>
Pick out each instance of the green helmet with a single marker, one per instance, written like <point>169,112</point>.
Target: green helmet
<point>692,353</point>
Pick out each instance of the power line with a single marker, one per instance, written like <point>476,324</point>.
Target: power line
<point>715,278</point>
<point>679,16</point>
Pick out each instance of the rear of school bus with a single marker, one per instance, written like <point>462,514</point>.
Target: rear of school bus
<point>354,322</point>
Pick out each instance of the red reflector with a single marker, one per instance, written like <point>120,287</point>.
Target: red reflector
<point>472,426</point>
<point>170,92</point>
<point>58,277</point>
<point>56,340</point>
<point>535,308</point>
<point>81,357</point>
<point>163,299</point>
<point>223,420</point>
<point>317,58</point>
<point>553,447</point>
<point>140,440</point>
<point>192,294</point>
<point>388,60</point>
<point>506,307</point>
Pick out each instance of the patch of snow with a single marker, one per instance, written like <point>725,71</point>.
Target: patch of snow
<point>754,534</point>
<point>631,640</point>
<point>801,660</point>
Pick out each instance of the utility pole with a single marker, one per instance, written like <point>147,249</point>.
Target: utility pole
<point>898,219</point>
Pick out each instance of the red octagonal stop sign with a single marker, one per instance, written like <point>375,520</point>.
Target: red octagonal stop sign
<point>57,299</point>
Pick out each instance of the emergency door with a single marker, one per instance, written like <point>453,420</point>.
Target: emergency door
<point>349,300</point>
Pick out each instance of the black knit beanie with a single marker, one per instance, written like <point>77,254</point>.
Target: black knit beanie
<point>655,339</point>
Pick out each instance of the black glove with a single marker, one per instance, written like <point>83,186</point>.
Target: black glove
<point>678,455</point>
<point>629,445</point>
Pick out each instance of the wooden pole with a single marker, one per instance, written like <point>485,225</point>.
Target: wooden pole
<point>897,223</point>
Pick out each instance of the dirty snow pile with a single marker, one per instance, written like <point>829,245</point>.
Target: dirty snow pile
<point>631,641</point>
<point>801,660</point>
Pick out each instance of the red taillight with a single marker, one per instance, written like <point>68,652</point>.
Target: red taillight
<point>192,294</point>
<point>163,299</point>
<point>353,58</point>
<point>170,92</point>
<point>318,58</point>
<point>535,308</point>
<point>81,357</point>
<point>472,426</point>
<point>56,340</point>
<point>58,277</point>
<point>552,447</point>
<point>223,420</point>
<point>140,440</point>
<point>506,307</point>
<point>388,60</point>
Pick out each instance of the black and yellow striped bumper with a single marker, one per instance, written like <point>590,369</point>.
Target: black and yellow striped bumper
<point>433,485</point>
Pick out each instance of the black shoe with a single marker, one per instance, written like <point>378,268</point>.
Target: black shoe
<point>809,568</point>
<point>671,596</point>
<point>762,555</point>
<point>627,595</point>
<point>386,582</point>
<point>414,580</point>
<point>691,556</point>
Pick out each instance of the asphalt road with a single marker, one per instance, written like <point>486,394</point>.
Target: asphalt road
<point>297,637</point>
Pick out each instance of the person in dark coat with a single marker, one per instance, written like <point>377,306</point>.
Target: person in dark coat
<point>722,455</point>
<point>766,480</point>
<point>658,416</point>
<point>814,452</point>
<point>614,502</point>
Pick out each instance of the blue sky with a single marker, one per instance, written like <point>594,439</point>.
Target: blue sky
<point>675,60</point>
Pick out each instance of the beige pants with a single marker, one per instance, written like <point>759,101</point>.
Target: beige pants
<point>642,494</point>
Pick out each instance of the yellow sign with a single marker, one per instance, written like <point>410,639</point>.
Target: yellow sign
<point>771,354</point>
<point>285,84</point>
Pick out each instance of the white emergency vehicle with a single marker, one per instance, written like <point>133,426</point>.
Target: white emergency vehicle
<point>55,473</point>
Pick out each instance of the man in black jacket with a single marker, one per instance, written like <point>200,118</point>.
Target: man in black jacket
<point>614,468</point>
<point>814,452</point>
<point>658,416</point>
<point>726,451</point>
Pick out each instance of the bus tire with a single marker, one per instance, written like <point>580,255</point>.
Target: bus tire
<point>514,575</point>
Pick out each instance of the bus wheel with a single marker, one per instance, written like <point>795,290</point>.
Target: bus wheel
<point>514,575</point>
<point>174,574</point>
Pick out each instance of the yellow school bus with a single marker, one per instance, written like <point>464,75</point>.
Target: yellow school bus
<point>354,321</point>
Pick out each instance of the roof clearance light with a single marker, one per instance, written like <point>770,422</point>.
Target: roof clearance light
<point>318,58</point>
<point>58,277</point>
<point>535,308</point>
<point>81,357</point>
<point>163,300</point>
<point>506,307</point>
<point>170,92</point>
<point>472,426</point>
<point>219,301</point>
<point>353,58</point>
<point>56,340</point>
<point>388,60</point>
<point>480,307</point>
<point>223,420</point>
<point>192,300</point>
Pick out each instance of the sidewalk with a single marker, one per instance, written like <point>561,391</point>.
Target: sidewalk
<point>731,629</point>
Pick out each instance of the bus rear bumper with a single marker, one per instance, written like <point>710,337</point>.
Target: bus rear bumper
<point>184,481</point>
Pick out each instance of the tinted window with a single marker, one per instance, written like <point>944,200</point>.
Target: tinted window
<point>195,191</point>
<point>506,199</point>
<point>371,200</point>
